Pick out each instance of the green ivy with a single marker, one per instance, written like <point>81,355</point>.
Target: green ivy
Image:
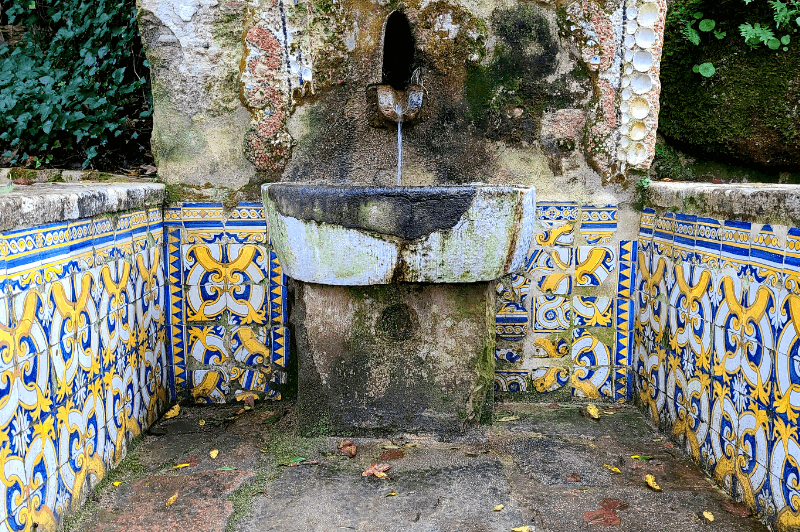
<point>77,83</point>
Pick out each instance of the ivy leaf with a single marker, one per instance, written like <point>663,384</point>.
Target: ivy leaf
<point>707,24</point>
<point>720,34</point>
<point>706,70</point>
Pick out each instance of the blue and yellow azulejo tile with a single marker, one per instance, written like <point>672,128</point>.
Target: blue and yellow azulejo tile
<point>550,346</point>
<point>506,354</point>
<point>551,313</point>
<point>513,289</point>
<point>594,265</point>
<point>207,344</point>
<point>557,211</point>
<point>598,223</point>
<point>511,321</point>
<point>545,380</point>
<point>511,381</point>
<point>593,311</point>
<point>250,345</point>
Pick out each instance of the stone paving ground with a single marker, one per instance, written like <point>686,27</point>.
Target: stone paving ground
<point>548,467</point>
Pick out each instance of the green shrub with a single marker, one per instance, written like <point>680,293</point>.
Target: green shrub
<point>76,86</point>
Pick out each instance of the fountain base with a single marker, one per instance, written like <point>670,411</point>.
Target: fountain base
<point>405,357</point>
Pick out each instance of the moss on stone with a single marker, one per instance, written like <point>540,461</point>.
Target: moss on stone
<point>747,110</point>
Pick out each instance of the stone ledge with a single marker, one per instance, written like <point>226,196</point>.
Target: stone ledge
<point>757,202</point>
<point>42,203</point>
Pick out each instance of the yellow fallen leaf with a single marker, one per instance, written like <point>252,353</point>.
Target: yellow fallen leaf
<point>201,422</point>
<point>709,516</point>
<point>381,474</point>
<point>213,453</point>
<point>498,507</point>
<point>410,444</point>
<point>172,499</point>
<point>508,418</point>
<point>390,446</point>
<point>593,412</point>
<point>117,483</point>
<point>521,529</point>
<point>612,468</point>
<point>635,456</point>
<point>172,412</point>
<point>391,494</point>
<point>651,481</point>
<point>609,412</point>
<point>181,466</point>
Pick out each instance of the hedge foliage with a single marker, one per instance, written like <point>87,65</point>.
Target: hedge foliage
<point>76,86</point>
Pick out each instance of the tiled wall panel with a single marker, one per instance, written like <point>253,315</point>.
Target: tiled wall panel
<point>228,302</point>
<point>84,364</point>
<point>716,356</point>
<point>564,324</point>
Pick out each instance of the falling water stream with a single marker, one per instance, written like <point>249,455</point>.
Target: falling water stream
<point>399,111</point>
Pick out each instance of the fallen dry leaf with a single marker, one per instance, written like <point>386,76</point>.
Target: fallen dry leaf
<point>172,499</point>
<point>181,466</point>
<point>641,458</point>
<point>410,445</point>
<point>172,412</point>
<point>609,412</point>
<point>651,481</point>
<point>392,494</point>
<point>242,411</point>
<point>507,418</point>
<point>201,422</point>
<point>602,517</point>
<point>612,468</point>
<point>498,507</point>
<point>668,445</point>
<point>376,469</point>
<point>347,448</point>
<point>709,516</point>
<point>521,529</point>
<point>554,406</point>
<point>390,446</point>
<point>213,453</point>
<point>117,483</point>
<point>739,510</point>
<point>575,477</point>
<point>593,411</point>
<point>613,504</point>
<point>391,454</point>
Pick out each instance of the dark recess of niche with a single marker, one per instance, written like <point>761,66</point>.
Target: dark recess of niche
<point>398,52</point>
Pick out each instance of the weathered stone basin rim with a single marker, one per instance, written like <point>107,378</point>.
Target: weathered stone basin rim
<point>44,203</point>
<point>356,236</point>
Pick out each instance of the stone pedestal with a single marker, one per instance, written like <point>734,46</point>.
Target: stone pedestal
<point>409,357</point>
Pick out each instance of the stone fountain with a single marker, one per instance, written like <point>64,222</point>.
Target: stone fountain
<point>394,297</point>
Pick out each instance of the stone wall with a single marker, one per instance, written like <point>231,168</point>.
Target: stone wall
<point>557,92</point>
<point>716,335</point>
<point>84,364</point>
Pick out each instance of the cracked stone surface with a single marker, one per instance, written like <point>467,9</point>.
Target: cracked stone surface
<point>453,485</point>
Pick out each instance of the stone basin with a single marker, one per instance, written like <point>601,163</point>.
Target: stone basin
<point>357,236</point>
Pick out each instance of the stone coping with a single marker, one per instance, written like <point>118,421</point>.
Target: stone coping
<point>757,202</point>
<point>43,203</point>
